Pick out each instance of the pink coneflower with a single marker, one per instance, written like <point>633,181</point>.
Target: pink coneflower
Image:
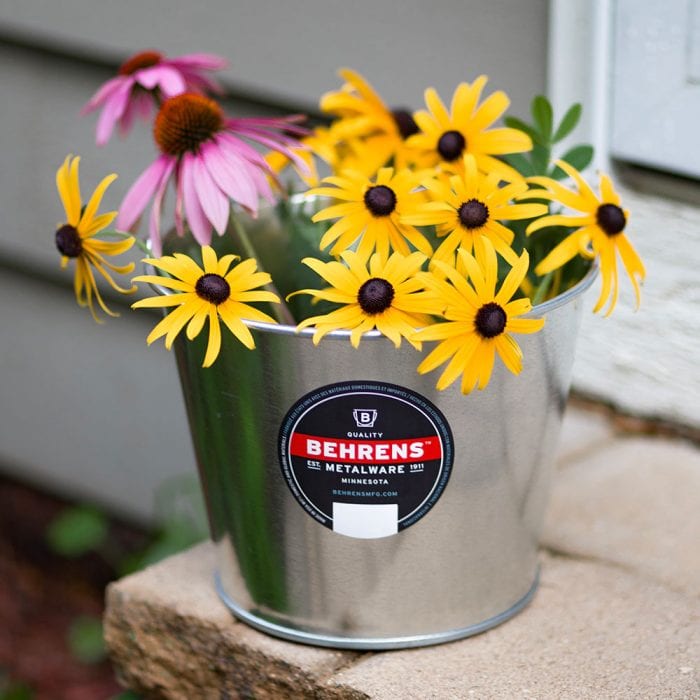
<point>211,164</point>
<point>143,80</point>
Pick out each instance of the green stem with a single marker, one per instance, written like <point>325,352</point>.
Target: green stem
<point>542,289</point>
<point>281,310</point>
<point>556,287</point>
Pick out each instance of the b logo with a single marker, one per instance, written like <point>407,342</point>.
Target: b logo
<point>364,417</point>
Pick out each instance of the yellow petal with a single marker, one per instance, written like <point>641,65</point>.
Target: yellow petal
<point>584,188</point>
<point>214,344</point>
<point>513,279</point>
<point>194,327</point>
<point>70,197</point>
<point>483,358</point>
<point>436,106</point>
<point>489,111</point>
<point>209,260</point>
<point>86,220</point>
<point>176,318</point>
<point>509,351</point>
<point>607,191</point>
<point>236,326</point>
<point>560,254</point>
<point>163,300</point>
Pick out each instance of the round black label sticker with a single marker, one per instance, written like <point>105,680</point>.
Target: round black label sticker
<point>366,459</point>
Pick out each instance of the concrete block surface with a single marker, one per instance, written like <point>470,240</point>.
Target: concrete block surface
<point>593,631</point>
<point>634,502</point>
<point>170,636</point>
<point>581,432</point>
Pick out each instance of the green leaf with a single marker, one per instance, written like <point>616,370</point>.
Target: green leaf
<point>540,156</point>
<point>515,123</point>
<point>520,163</point>
<point>542,114</point>
<point>127,695</point>
<point>568,123</point>
<point>86,640</point>
<point>11,690</point>
<point>77,531</point>
<point>579,157</point>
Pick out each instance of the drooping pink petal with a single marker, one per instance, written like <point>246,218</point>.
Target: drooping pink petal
<point>157,208</point>
<point>196,218</point>
<point>179,216</point>
<point>112,112</point>
<point>201,84</point>
<point>168,79</point>
<point>141,191</point>
<point>214,202</point>
<point>144,105</point>
<point>236,145</point>
<point>127,120</point>
<point>111,86</point>
<point>287,123</point>
<point>256,168</point>
<point>230,172</point>
<point>263,186</point>
<point>276,144</point>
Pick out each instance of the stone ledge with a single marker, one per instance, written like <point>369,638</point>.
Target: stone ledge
<point>635,502</point>
<point>592,631</point>
<point>169,636</point>
<point>582,432</point>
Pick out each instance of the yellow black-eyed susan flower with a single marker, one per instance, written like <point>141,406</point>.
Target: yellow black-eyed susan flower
<point>478,319</point>
<point>385,295</point>
<point>217,292</point>
<point>371,211</point>
<point>363,119</point>
<point>472,205</point>
<point>446,136</point>
<point>600,226</point>
<point>75,239</point>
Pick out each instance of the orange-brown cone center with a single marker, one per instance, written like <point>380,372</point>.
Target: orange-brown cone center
<point>138,61</point>
<point>185,122</point>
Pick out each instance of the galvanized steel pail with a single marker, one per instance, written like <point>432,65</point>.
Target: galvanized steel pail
<point>366,558</point>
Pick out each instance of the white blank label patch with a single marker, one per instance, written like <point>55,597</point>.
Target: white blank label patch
<point>364,520</point>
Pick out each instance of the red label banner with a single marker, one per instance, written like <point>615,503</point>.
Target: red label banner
<point>366,451</point>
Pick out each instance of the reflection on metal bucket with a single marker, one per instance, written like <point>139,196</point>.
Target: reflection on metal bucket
<point>383,579</point>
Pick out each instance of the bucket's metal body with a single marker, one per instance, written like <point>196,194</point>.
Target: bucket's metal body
<point>469,564</point>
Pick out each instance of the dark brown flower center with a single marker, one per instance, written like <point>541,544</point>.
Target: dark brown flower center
<point>138,61</point>
<point>490,320</point>
<point>375,296</point>
<point>185,122</point>
<point>68,241</point>
<point>451,145</point>
<point>611,219</point>
<point>473,214</point>
<point>405,123</point>
<point>380,200</point>
<point>213,288</point>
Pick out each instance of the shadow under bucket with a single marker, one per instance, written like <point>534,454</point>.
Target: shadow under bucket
<point>318,540</point>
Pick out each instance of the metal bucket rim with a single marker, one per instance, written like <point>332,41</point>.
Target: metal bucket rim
<point>283,329</point>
